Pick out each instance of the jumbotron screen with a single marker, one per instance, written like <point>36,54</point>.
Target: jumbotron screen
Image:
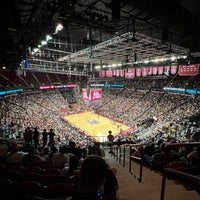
<point>91,95</point>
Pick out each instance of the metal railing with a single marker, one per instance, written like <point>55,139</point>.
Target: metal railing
<point>176,172</point>
<point>136,158</point>
<point>120,154</point>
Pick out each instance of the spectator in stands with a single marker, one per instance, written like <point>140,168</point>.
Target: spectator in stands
<point>44,137</point>
<point>28,135</point>
<point>190,158</point>
<point>149,151</point>
<point>92,175</point>
<point>14,154</point>
<point>60,158</point>
<point>73,149</point>
<point>97,150</point>
<point>51,137</point>
<point>33,157</point>
<point>36,135</point>
<point>156,161</point>
<point>111,185</point>
<point>194,155</point>
<point>46,153</point>
<point>84,154</point>
<point>68,171</point>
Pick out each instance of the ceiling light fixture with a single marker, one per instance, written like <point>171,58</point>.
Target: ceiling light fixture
<point>43,42</point>
<point>59,27</point>
<point>48,37</point>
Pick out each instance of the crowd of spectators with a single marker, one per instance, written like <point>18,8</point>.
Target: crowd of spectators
<point>156,117</point>
<point>149,112</point>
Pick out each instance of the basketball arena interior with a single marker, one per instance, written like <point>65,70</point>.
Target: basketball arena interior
<point>84,68</point>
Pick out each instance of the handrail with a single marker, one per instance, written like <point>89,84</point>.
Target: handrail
<point>124,154</point>
<point>140,159</point>
<point>174,171</point>
<point>116,152</point>
<point>120,155</point>
<point>183,174</point>
<point>177,173</point>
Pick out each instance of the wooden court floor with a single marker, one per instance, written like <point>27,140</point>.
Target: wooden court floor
<point>95,125</point>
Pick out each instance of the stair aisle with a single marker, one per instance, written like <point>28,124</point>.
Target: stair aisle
<point>150,187</point>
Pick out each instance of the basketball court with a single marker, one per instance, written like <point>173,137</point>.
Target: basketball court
<point>96,125</point>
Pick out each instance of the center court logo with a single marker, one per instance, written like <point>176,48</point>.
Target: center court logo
<point>92,121</point>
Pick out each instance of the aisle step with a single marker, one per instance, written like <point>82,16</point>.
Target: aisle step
<point>150,187</point>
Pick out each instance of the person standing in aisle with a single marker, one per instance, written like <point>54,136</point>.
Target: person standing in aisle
<point>110,139</point>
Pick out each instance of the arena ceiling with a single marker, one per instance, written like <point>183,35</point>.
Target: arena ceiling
<point>98,32</point>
